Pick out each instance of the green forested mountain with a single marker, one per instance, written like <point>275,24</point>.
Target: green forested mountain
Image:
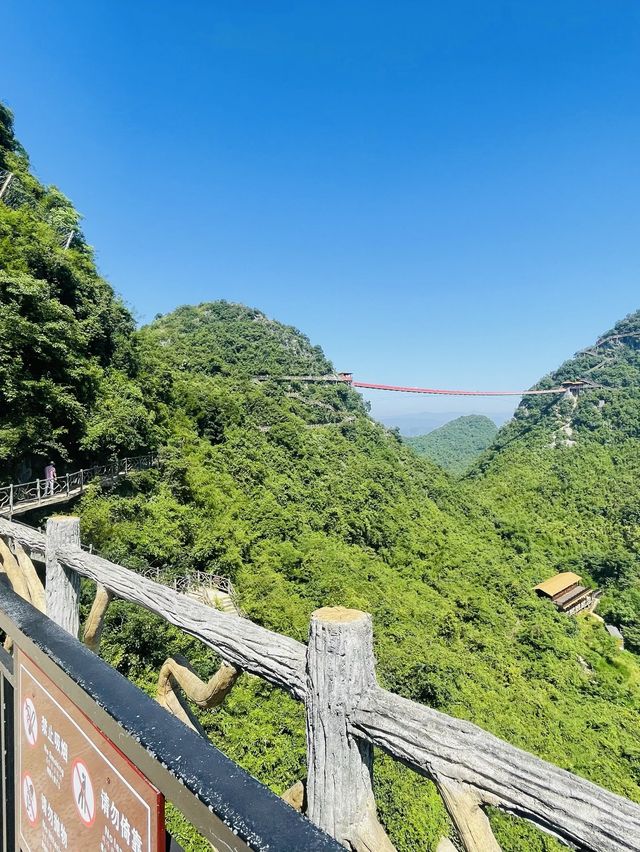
<point>564,475</point>
<point>457,444</point>
<point>297,496</point>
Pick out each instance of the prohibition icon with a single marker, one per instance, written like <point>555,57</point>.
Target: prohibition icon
<point>83,794</point>
<point>30,800</point>
<point>30,721</point>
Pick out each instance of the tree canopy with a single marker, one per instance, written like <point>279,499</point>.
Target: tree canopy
<point>564,475</point>
<point>64,334</point>
<point>296,495</point>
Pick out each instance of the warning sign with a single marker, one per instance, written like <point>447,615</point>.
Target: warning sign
<point>30,801</point>
<point>83,792</point>
<point>30,721</point>
<point>79,792</point>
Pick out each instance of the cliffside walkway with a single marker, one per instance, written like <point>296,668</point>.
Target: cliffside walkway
<point>347,712</point>
<point>16,499</point>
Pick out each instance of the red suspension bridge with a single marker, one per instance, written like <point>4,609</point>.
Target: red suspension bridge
<point>347,378</point>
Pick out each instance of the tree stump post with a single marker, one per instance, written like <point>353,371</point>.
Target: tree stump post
<point>62,584</point>
<point>340,668</point>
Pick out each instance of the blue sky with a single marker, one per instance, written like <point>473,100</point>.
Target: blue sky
<point>437,193</point>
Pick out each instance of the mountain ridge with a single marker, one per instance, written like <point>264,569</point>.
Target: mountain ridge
<point>267,484</point>
<point>571,468</point>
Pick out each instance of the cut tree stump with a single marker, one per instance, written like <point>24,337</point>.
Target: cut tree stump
<point>340,668</point>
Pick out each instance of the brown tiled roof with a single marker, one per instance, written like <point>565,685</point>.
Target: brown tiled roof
<point>556,585</point>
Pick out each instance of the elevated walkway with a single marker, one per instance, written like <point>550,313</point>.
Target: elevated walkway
<point>19,498</point>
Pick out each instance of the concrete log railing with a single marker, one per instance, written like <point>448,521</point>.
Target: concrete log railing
<point>348,714</point>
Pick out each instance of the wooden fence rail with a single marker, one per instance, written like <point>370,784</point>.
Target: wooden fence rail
<point>348,714</point>
<point>457,752</point>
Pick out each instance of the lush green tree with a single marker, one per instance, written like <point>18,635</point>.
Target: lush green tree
<point>66,340</point>
<point>8,142</point>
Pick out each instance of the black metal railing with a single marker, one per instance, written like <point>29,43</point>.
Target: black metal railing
<point>226,805</point>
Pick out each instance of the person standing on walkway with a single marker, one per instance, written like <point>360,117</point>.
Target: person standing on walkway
<point>50,476</point>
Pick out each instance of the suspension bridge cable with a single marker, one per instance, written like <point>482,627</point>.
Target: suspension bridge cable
<point>448,392</point>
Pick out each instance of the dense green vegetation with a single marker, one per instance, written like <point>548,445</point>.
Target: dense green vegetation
<point>564,476</point>
<point>62,330</point>
<point>297,496</point>
<point>302,509</point>
<point>457,444</point>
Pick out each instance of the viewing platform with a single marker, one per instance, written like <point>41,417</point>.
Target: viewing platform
<point>347,714</point>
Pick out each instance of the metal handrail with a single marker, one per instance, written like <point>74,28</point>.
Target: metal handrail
<point>39,492</point>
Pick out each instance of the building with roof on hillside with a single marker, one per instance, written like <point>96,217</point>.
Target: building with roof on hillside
<point>567,592</point>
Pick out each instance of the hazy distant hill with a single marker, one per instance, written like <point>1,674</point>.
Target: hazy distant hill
<point>457,444</point>
<point>414,424</point>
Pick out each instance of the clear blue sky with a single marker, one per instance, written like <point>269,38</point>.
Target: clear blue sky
<point>437,193</point>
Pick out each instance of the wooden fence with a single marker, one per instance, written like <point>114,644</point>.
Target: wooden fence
<point>348,713</point>
<point>229,808</point>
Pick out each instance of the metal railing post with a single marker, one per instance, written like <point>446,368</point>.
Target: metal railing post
<point>6,184</point>
<point>38,491</point>
<point>11,501</point>
<point>67,485</point>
